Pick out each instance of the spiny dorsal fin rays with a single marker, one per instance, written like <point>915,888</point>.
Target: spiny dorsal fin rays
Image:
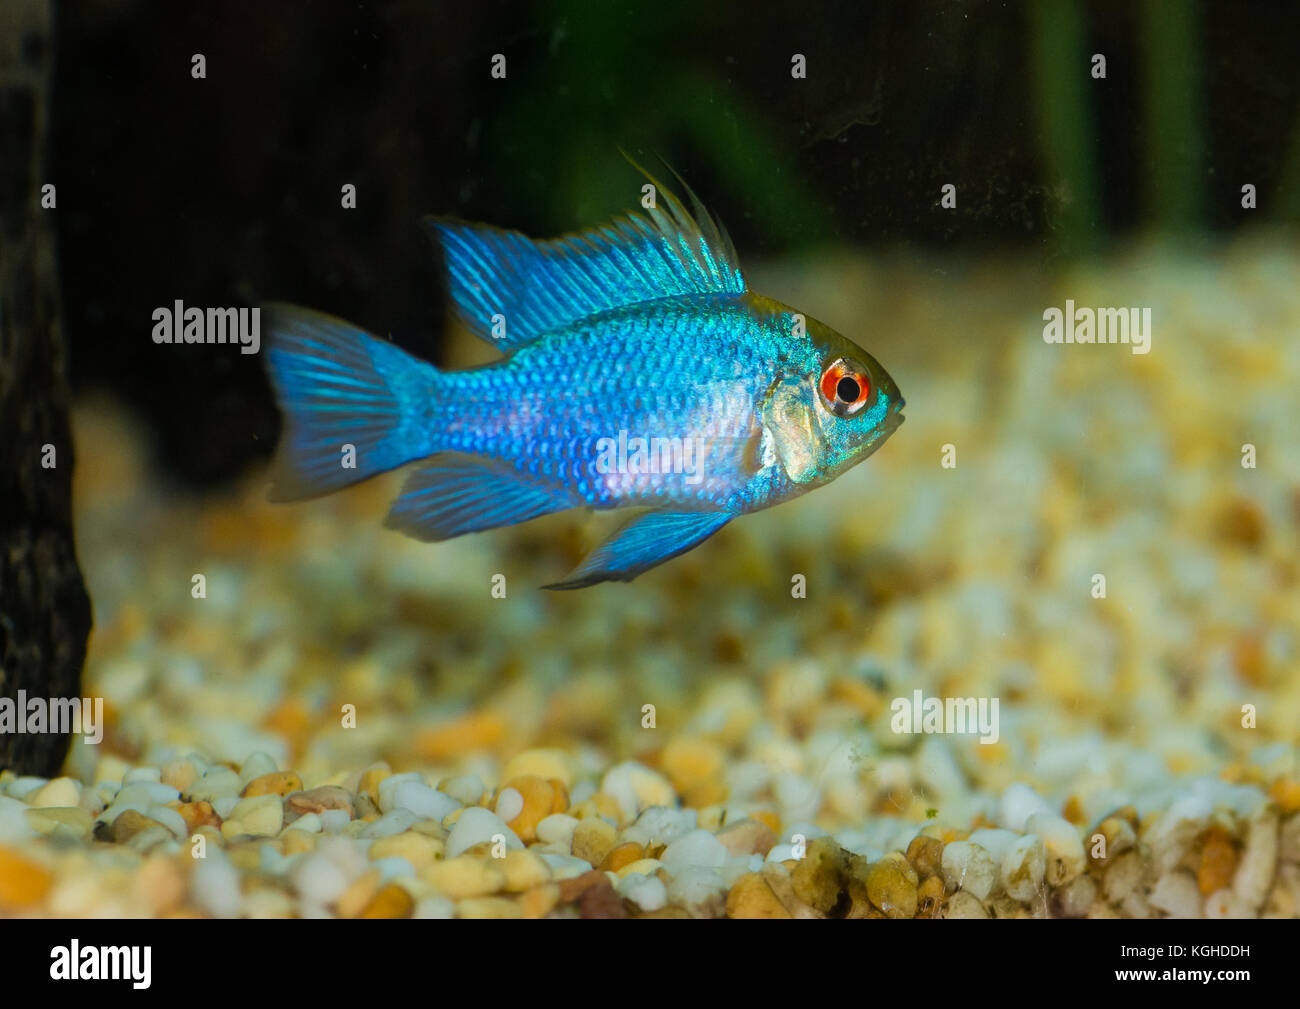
<point>538,286</point>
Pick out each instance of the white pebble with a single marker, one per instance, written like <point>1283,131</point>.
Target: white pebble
<point>510,803</point>
<point>393,867</point>
<point>660,825</point>
<point>1225,904</point>
<point>969,867</point>
<point>13,820</point>
<point>476,825</point>
<point>309,823</point>
<point>1023,867</point>
<point>169,818</point>
<point>142,774</point>
<point>218,783</point>
<point>699,848</point>
<point>565,866</point>
<point>333,820</point>
<point>255,765</point>
<point>1177,895</point>
<point>215,885</point>
<point>388,788</point>
<point>646,892</point>
<point>636,787</point>
<point>1065,855</point>
<point>995,841</point>
<point>557,828</point>
<point>396,822</point>
<point>434,907</point>
<point>23,786</point>
<point>1019,803</point>
<point>466,789</point>
<point>225,805</point>
<point>425,802</point>
<point>696,886</point>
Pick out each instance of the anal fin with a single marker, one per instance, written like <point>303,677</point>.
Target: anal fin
<point>642,544</point>
<point>453,495</point>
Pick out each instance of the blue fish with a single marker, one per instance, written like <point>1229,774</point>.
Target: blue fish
<point>638,370</point>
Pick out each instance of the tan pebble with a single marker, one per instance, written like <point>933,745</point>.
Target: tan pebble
<point>278,783</point>
<point>159,885</point>
<point>539,901</point>
<point>465,876</point>
<point>543,763</point>
<point>925,854</point>
<point>645,866</point>
<point>1073,899</point>
<point>1117,835</point>
<point>621,855</point>
<point>1218,861</point>
<point>778,877</point>
<point>317,800</point>
<point>63,820</point>
<point>129,823</point>
<point>418,849</point>
<point>524,871</point>
<point>198,814</point>
<point>488,907</point>
<point>752,897</point>
<point>358,894</point>
<point>180,774</point>
<point>929,897</point>
<point>371,778</point>
<point>747,837</point>
<point>23,882</point>
<point>697,769</point>
<point>964,905</point>
<point>1254,875</point>
<point>295,842</point>
<point>1177,894</point>
<point>821,875</point>
<point>890,888</point>
<point>390,902</point>
<point>1123,876</point>
<point>539,802</point>
<point>257,816</point>
<point>593,839</point>
<point>59,792</point>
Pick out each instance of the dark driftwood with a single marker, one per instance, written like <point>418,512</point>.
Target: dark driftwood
<point>44,611</point>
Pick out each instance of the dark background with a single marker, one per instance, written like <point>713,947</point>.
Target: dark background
<point>226,191</point>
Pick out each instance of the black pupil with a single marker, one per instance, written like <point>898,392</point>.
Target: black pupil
<point>847,389</point>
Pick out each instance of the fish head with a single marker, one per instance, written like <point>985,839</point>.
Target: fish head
<point>834,408</point>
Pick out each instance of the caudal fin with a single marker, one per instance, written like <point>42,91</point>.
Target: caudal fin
<point>352,403</point>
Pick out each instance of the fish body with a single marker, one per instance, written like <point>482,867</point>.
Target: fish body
<point>638,371</point>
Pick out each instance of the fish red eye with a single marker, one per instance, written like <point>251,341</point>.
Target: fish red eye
<point>845,386</point>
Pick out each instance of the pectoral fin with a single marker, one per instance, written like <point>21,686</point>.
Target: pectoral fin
<point>642,544</point>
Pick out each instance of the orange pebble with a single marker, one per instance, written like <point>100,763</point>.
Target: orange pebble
<point>1286,793</point>
<point>198,814</point>
<point>1218,861</point>
<point>390,902</point>
<point>621,855</point>
<point>470,733</point>
<point>276,783</point>
<point>23,882</point>
<point>766,816</point>
<point>539,802</point>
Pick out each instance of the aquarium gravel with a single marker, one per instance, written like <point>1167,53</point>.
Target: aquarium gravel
<point>306,715</point>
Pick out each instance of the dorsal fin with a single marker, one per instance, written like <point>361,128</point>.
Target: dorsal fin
<point>538,286</point>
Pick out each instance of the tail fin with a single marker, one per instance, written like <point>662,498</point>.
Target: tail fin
<point>352,403</point>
